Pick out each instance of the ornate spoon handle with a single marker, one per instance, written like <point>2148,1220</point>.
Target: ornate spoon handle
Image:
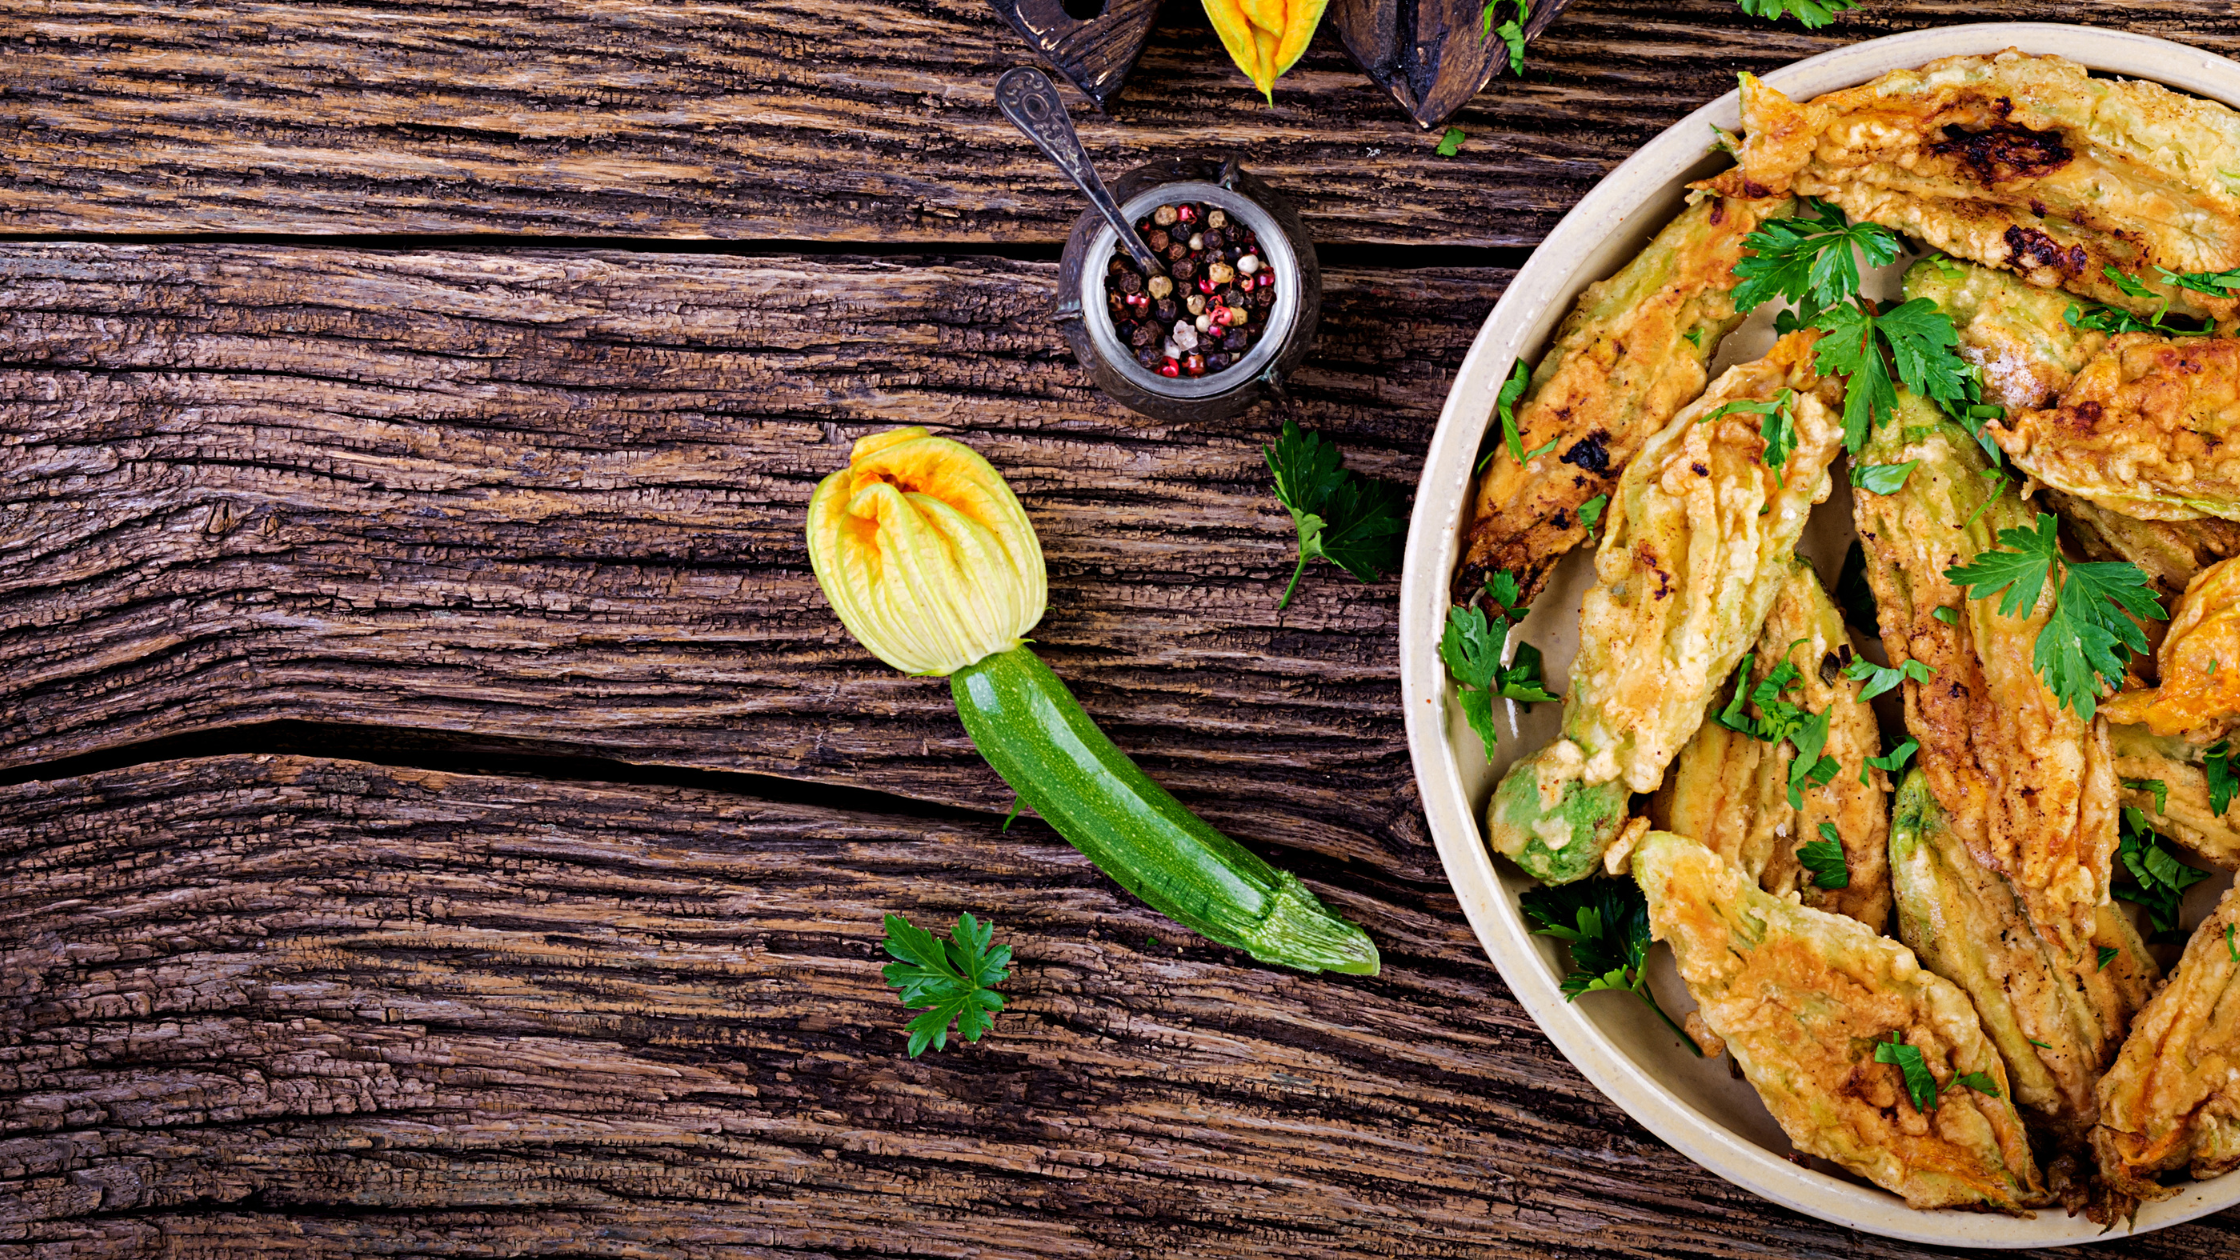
<point>1030,100</point>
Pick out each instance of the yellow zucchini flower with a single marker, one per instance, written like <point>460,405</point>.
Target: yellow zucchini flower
<point>925,553</point>
<point>1265,37</point>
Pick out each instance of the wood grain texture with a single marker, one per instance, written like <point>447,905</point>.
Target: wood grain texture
<point>293,1007</point>
<point>811,119</point>
<point>559,496</point>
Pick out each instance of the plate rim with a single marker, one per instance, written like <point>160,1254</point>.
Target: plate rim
<point>1552,276</point>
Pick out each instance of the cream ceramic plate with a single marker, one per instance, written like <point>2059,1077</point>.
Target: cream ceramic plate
<point>1693,1104</point>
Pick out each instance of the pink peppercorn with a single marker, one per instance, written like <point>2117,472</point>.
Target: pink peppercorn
<point>1170,368</point>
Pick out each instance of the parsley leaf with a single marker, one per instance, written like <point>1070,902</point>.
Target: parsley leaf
<point>1980,1082</point>
<point>2107,955</point>
<point>1605,921</point>
<point>2216,762</point>
<point>1948,615</point>
<point>1810,769</point>
<point>1881,678</point>
<point>954,979</point>
<point>1811,257</point>
<point>1357,523</point>
<point>2076,649</point>
<point>2159,879</point>
<point>2109,319</point>
<point>2231,947</point>
<point>1891,763</point>
<point>1451,142</point>
<point>1824,858</point>
<point>1810,14</point>
<point>1590,512</point>
<point>2160,789</point>
<point>2213,283</point>
<point>1921,1084</point>
<point>1505,404</point>
<point>1471,647</point>
<point>1882,478</point>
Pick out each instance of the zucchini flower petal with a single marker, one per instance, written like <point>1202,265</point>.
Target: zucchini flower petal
<point>925,553</point>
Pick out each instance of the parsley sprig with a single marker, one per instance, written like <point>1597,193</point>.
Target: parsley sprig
<point>954,980</point>
<point>1357,523</point>
<point>1605,921</point>
<point>2158,879</point>
<point>2076,649</point>
<point>1471,647</point>
<point>1810,14</point>
<point>1812,261</point>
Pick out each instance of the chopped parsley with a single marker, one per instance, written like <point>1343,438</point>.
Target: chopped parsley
<point>1810,769</point>
<point>2108,955</point>
<point>2216,763</point>
<point>955,981</point>
<point>1450,143</point>
<point>1891,763</point>
<point>1921,1084</point>
<point>1471,647</point>
<point>1824,858</point>
<point>1505,404</point>
<point>1980,1082</point>
<point>1357,523</point>
<point>2159,879</point>
<point>2231,946</point>
<point>1605,921</point>
<point>2076,649</point>
<point>1946,614</point>
<point>1781,719</point>
<point>1590,513</point>
<point>1810,14</point>
<point>1882,478</point>
<point>2108,319</point>
<point>2160,790</point>
<point>1777,425</point>
<point>2213,283</point>
<point>1881,678</point>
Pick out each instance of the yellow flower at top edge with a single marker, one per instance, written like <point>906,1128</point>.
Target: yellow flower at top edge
<point>925,553</point>
<point>1265,37</point>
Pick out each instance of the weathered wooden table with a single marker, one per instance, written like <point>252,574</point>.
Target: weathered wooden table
<point>441,817</point>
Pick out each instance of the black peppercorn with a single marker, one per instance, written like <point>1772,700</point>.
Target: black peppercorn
<point>1263,298</point>
<point>1183,270</point>
<point>1150,357</point>
<point>1157,240</point>
<point>1232,297</point>
<point>1213,238</point>
<point>1178,251</point>
<point>1118,265</point>
<point>1233,340</point>
<point>1131,283</point>
<point>1143,335</point>
<point>1167,311</point>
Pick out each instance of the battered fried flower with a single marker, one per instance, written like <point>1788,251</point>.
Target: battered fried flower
<point>2170,553</point>
<point>1699,540</point>
<point>1803,999</point>
<point>2029,786</point>
<point>1632,353</point>
<point>2021,162</point>
<point>2163,778</point>
<point>2057,1018</point>
<point>2199,664</point>
<point>2172,1100</point>
<point>2011,330</point>
<point>1730,790</point>
<point>2143,429</point>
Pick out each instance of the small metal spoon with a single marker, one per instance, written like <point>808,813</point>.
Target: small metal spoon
<point>1030,100</point>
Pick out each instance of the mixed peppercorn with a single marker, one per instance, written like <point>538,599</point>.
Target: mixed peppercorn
<point>1211,305</point>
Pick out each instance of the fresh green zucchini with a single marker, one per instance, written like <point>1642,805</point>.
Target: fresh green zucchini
<point>1037,736</point>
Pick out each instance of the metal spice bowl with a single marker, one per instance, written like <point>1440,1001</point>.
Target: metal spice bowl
<point>1285,248</point>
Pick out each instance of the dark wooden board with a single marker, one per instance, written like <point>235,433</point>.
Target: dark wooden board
<point>814,119</point>
<point>559,496</point>
<point>297,1007</point>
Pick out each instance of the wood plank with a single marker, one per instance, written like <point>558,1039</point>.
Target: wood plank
<point>295,1007</point>
<point>811,119</point>
<point>559,496</point>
